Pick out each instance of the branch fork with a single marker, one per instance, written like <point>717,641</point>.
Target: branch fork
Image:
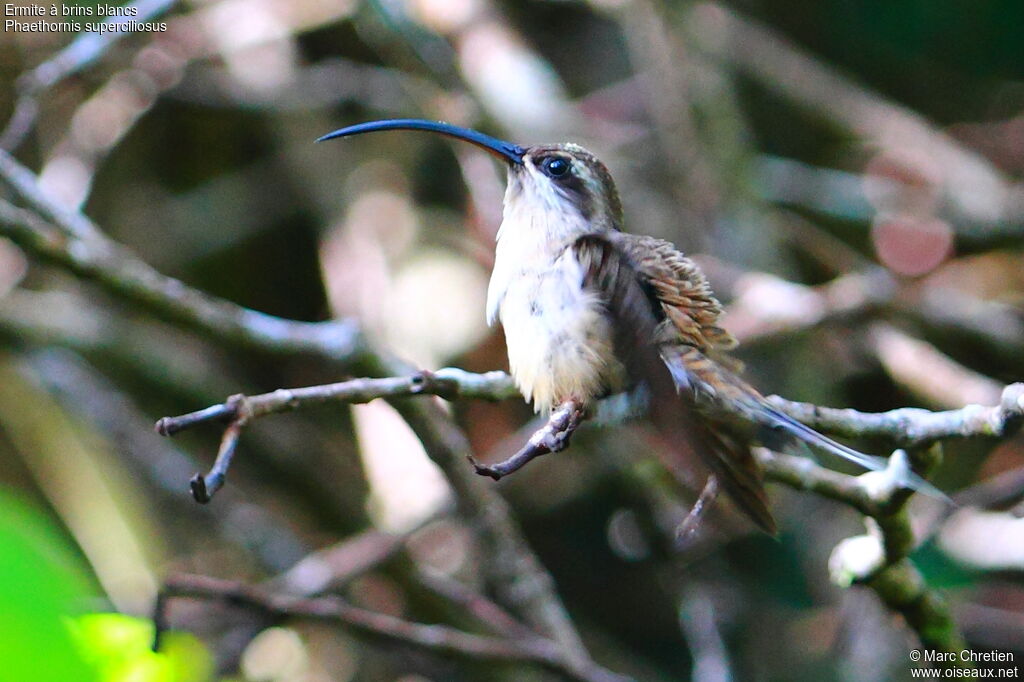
<point>448,383</point>
<point>236,410</point>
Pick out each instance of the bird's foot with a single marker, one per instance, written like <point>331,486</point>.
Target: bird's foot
<point>552,437</point>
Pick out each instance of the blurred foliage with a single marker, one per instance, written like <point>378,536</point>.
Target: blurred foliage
<point>120,648</point>
<point>41,582</point>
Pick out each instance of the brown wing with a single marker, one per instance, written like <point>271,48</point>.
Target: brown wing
<point>689,334</point>
<point>691,310</point>
<point>620,272</point>
<point>692,345</point>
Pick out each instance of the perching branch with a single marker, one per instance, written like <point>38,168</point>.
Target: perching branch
<point>238,410</point>
<point>691,524</point>
<point>878,560</point>
<point>909,427</point>
<point>449,383</point>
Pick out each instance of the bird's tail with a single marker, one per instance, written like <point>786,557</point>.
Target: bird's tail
<point>738,473</point>
<point>775,422</point>
<point>673,412</point>
<point>736,399</point>
<point>805,434</point>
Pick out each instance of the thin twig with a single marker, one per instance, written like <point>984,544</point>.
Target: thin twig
<point>204,487</point>
<point>905,426</point>
<point>440,639</point>
<point>801,473</point>
<point>448,383</point>
<point>691,524</point>
<point>26,111</point>
<point>239,409</point>
<point>83,391</point>
<point>668,89</point>
<point>25,183</point>
<point>1005,490</point>
<point>700,629</point>
<point>927,371</point>
<point>766,306</point>
<point>337,564</point>
<point>879,560</point>
<point>495,618</point>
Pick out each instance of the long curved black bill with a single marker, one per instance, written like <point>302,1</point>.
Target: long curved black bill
<point>511,153</point>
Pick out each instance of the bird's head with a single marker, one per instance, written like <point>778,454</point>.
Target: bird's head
<point>553,178</point>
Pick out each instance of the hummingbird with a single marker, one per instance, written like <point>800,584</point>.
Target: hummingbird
<point>590,311</point>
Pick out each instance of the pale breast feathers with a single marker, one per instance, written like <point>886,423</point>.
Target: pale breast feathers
<point>558,337</point>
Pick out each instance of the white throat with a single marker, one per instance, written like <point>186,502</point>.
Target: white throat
<point>534,232</point>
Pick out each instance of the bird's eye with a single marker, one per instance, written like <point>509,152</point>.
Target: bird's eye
<point>554,166</point>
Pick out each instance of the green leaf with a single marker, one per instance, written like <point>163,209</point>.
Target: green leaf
<point>41,581</point>
<point>119,646</point>
<point>42,584</point>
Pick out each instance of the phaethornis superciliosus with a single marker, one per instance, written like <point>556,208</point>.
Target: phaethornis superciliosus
<point>590,311</point>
